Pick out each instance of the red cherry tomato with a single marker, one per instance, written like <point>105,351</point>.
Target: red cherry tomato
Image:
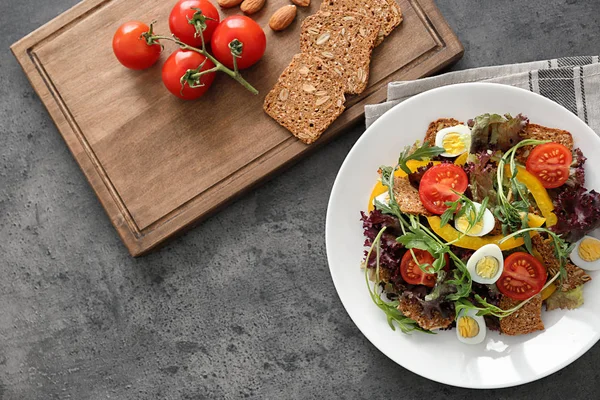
<point>523,276</point>
<point>246,31</point>
<point>439,184</point>
<point>177,65</point>
<point>182,14</point>
<point>411,272</point>
<point>550,163</point>
<point>131,49</point>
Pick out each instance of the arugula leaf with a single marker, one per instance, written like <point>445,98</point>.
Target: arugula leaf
<point>390,308</point>
<point>418,240</point>
<point>384,208</point>
<point>514,204</point>
<point>449,213</point>
<point>426,151</point>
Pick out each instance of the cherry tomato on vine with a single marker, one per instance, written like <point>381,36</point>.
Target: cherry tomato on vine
<point>182,17</point>
<point>246,31</point>
<point>550,163</point>
<point>131,49</point>
<point>176,67</point>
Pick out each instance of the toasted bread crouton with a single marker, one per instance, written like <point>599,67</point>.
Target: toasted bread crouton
<point>526,319</point>
<point>497,229</point>
<point>408,198</point>
<point>539,132</point>
<point>575,275</point>
<point>437,126</point>
<point>545,248</point>
<point>412,309</point>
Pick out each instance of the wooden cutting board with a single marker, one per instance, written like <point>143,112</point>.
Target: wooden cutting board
<point>159,164</point>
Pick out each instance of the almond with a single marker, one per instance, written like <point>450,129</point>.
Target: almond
<point>301,3</point>
<point>282,18</point>
<point>228,3</point>
<point>252,6</point>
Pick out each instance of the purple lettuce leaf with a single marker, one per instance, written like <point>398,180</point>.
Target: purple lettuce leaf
<point>578,213</point>
<point>482,174</point>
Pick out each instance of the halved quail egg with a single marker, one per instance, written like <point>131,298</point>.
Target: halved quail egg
<point>470,327</point>
<point>481,228</point>
<point>586,254</point>
<point>456,140</point>
<point>486,264</point>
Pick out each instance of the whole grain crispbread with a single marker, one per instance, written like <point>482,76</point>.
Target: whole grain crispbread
<point>526,319</point>
<point>387,16</point>
<point>307,98</point>
<point>575,278</point>
<point>412,309</point>
<point>408,198</point>
<point>575,275</point>
<point>344,42</point>
<point>539,132</point>
<point>436,126</point>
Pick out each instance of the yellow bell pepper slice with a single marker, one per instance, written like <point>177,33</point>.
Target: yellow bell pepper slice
<point>462,159</point>
<point>449,234</point>
<point>379,188</point>
<point>548,291</point>
<point>539,192</point>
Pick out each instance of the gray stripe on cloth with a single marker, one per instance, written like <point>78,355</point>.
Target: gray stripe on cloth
<point>558,85</point>
<point>573,61</point>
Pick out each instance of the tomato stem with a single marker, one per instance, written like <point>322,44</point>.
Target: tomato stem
<point>218,65</point>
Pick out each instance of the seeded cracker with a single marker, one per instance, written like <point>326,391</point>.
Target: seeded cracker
<point>408,198</point>
<point>539,132</point>
<point>306,99</point>
<point>525,320</point>
<point>387,13</point>
<point>575,275</point>
<point>344,42</point>
<point>411,308</point>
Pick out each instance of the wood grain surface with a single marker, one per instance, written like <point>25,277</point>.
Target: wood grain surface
<point>159,164</point>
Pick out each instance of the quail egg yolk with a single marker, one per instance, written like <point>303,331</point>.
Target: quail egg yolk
<point>589,249</point>
<point>467,327</point>
<point>462,224</point>
<point>454,143</point>
<point>487,267</point>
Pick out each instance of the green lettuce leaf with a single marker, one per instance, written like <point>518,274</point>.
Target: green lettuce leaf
<point>569,300</point>
<point>496,132</point>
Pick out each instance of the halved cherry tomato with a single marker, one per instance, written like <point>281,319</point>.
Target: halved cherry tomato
<point>523,276</point>
<point>411,272</point>
<point>438,184</point>
<point>246,31</point>
<point>181,21</point>
<point>550,163</point>
<point>131,48</point>
<point>177,65</point>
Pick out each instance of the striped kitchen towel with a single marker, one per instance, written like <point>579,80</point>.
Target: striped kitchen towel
<point>573,82</point>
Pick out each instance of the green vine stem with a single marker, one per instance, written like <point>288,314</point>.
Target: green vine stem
<point>194,75</point>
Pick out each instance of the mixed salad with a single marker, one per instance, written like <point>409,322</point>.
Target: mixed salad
<point>479,226</point>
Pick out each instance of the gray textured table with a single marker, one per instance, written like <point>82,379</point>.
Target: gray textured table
<point>243,305</point>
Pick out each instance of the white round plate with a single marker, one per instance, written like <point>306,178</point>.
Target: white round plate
<point>500,361</point>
